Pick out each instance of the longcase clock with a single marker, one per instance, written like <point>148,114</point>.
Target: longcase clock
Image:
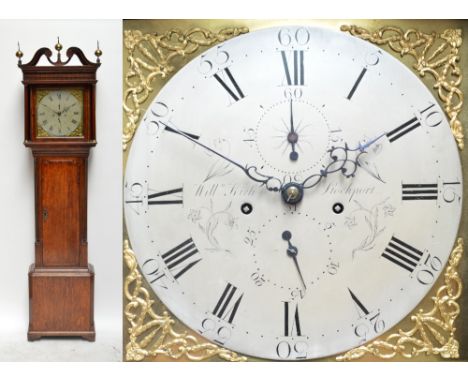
<point>60,131</point>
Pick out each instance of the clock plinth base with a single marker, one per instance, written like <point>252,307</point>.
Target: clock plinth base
<point>61,303</point>
<point>89,336</point>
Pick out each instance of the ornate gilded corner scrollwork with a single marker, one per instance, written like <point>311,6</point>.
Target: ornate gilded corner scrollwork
<point>433,332</point>
<point>152,334</point>
<point>436,54</point>
<point>153,55</point>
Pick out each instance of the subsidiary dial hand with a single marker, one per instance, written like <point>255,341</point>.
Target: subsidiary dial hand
<point>270,182</point>
<point>292,252</point>
<point>292,136</point>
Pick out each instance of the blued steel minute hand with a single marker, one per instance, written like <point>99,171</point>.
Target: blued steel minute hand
<point>270,182</point>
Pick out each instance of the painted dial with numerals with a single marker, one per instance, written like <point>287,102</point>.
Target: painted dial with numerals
<point>59,112</point>
<point>292,193</point>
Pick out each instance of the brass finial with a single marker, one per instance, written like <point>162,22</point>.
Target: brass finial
<point>58,46</point>
<point>19,54</point>
<point>98,52</point>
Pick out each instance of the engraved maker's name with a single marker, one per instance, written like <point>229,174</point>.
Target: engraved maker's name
<point>350,191</point>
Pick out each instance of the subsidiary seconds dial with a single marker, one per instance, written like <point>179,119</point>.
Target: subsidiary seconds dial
<point>293,135</point>
<point>292,193</point>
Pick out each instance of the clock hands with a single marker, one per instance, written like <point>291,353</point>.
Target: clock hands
<point>292,252</point>
<point>342,162</point>
<point>65,109</point>
<point>59,113</point>
<point>364,164</point>
<point>362,147</point>
<point>52,110</point>
<point>292,135</point>
<point>270,182</point>
<point>68,108</point>
<point>292,192</point>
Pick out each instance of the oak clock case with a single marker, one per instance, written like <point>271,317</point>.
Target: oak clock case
<point>290,193</point>
<point>60,131</point>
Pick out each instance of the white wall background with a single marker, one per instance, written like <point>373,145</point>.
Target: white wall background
<point>104,191</point>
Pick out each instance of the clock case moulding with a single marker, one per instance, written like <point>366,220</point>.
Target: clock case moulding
<point>61,281</point>
<point>434,331</point>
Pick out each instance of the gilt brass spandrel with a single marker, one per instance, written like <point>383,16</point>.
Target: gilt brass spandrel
<point>432,330</point>
<point>154,334</point>
<point>427,305</point>
<point>435,55</point>
<point>155,56</point>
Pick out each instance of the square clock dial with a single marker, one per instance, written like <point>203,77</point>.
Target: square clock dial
<point>59,112</point>
<point>293,193</point>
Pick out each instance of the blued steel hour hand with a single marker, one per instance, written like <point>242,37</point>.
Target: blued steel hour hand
<point>293,137</point>
<point>343,161</point>
<point>68,107</point>
<point>363,147</point>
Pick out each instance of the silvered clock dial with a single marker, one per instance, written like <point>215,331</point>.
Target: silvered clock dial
<point>59,112</point>
<point>292,193</point>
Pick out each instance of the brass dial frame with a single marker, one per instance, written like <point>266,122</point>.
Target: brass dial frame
<point>155,49</point>
<point>40,93</point>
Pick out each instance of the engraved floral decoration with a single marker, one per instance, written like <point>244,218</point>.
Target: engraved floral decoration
<point>194,215</point>
<point>372,218</point>
<point>435,54</point>
<point>219,167</point>
<point>209,221</point>
<point>152,334</point>
<point>153,56</point>
<point>433,331</point>
<point>369,165</point>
